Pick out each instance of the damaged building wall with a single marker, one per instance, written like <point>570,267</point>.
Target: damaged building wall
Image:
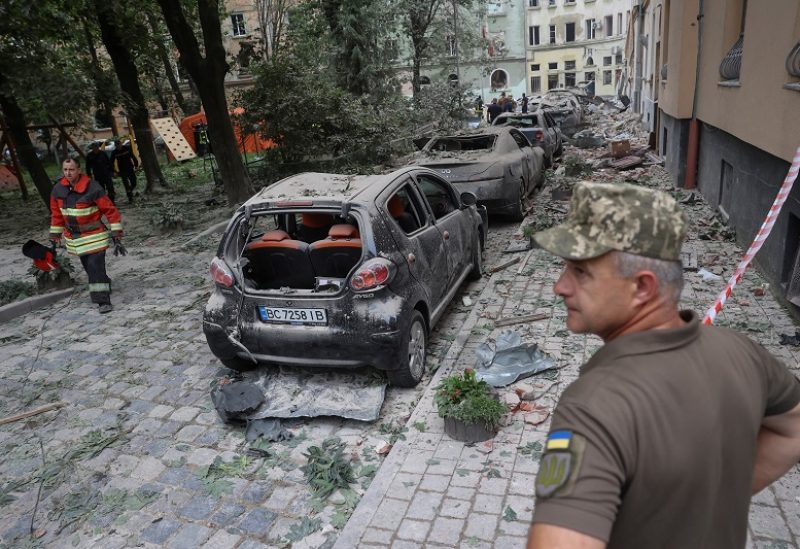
<point>673,140</point>
<point>742,181</point>
<point>680,58</point>
<point>752,103</point>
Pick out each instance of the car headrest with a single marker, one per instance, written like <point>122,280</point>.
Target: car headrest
<point>396,206</point>
<point>343,230</point>
<point>316,220</point>
<point>275,236</point>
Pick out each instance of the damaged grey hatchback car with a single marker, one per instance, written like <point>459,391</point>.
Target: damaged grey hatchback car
<point>338,271</point>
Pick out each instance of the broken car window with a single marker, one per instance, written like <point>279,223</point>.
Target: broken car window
<point>466,143</point>
<point>440,200</point>
<point>403,209</point>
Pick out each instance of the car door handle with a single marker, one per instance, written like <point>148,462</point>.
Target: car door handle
<point>446,235</point>
<point>411,258</point>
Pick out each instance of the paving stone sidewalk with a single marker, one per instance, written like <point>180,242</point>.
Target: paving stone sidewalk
<point>432,491</point>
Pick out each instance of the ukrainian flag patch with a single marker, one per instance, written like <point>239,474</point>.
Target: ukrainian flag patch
<point>559,440</point>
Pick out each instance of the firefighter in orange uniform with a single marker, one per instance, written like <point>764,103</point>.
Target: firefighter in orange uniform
<point>77,205</point>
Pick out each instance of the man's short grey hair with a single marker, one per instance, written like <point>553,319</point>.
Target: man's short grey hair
<point>668,273</point>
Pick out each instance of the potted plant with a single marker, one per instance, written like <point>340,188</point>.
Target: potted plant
<point>470,410</point>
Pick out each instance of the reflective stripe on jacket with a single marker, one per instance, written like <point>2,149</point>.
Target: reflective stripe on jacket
<point>77,211</point>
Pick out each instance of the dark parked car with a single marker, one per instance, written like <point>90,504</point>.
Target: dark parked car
<point>328,270</point>
<point>540,129</point>
<point>565,108</point>
<point>497,163</point>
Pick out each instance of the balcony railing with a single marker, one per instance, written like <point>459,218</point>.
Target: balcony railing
<point>732,62</point>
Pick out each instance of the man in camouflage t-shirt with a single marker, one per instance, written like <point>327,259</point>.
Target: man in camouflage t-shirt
<point>672,425</point>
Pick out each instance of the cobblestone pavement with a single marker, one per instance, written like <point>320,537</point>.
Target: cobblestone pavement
<point>435,492</point>
<point>138,456</point>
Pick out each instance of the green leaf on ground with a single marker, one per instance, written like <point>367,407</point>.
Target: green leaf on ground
<point>509,514</point>
<point>305,527</point>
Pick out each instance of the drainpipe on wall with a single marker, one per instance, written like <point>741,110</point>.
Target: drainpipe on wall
<point>638,47</point>
<point>693,146</point>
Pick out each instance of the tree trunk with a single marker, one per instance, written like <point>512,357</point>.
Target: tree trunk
<point>103,100</point>
<point>208,74</point>
<point>164,56</point>
<point>15,119</point>
<point>128,77</point>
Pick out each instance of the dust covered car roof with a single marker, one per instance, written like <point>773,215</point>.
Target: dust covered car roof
<point>319,186</point>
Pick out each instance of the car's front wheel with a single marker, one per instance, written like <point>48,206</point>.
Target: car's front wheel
<point>477,260</point>
<point>412,367</point>
<point>518,212</point>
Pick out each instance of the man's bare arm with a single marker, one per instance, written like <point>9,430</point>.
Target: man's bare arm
<point>549,536</point>
<point>778,448</point>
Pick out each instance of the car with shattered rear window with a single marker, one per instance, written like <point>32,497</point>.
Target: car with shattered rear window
<point>340,271</point>
<point>498,164</point>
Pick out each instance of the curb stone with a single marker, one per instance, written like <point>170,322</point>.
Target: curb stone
<point>19,308</point>
<point>367,506</point>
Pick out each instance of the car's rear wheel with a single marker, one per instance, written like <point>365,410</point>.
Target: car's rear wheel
<point>477,260</point>
<point>518,213</point>
<point>238,364</point>
<point>412,367</point>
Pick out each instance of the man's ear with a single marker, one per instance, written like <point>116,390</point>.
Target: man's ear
<point>646,287</point>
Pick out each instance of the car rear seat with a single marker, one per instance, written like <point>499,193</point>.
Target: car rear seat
<point>336,255</point>
<point>314,226</point>
<point>277,261</point>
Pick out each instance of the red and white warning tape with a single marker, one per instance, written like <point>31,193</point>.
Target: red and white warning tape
<point>762,235</point>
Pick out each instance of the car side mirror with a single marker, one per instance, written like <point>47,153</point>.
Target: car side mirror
<point>468,199</point>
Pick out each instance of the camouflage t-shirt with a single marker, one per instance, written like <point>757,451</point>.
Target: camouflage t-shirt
<point>654,444</point>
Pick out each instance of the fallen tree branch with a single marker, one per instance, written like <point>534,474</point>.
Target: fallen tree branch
<point>525,261</point>
<point>34,412</point>
<point>505,265</point>
<point>520,319</point>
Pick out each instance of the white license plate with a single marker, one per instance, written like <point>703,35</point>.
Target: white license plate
<point>293,315</point>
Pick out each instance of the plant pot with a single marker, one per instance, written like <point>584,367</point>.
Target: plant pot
<point>467,432</point>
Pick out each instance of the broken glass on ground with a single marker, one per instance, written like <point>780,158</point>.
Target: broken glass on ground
<point>283,393</point>
<point>510,360</point>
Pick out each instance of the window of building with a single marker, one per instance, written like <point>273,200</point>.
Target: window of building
<point>590,26</point>
<point>533,35</point>
<point>619,23</point>
<point>552,82</point>
<point>618,59</point>
<point>569,79</point>
<point>535,67</point>
<point>552,34</point>
<point>570,32</point>
<point>569,65</point>
<point>568,2</point>
<point>451,45</point>
<point>588,76</point>
<point>606,77</point>
<point>609,25</point>
<point>499,80</point>
<point>553,66</point>
<point>551,3</point>
<point>536,84</point>
<point>237,24</point>
<point>607,61</point>
<point>590,61</point>
<point>533,3</point>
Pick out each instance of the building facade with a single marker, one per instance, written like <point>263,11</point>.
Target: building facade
<point>729,109</point>
<point>575,41</point>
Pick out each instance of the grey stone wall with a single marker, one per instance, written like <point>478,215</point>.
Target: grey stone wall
<point>743,181</point>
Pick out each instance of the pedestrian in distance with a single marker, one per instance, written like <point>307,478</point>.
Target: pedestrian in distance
<point>126,164</point>
<point>510,105</point>
<point>672,425</point>
<point>77,205</point>
<point>101,169</point>
<point>493,110</point>
<point>524,101</point>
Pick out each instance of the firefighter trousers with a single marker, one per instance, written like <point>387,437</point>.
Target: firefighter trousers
<point>99,283</point>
